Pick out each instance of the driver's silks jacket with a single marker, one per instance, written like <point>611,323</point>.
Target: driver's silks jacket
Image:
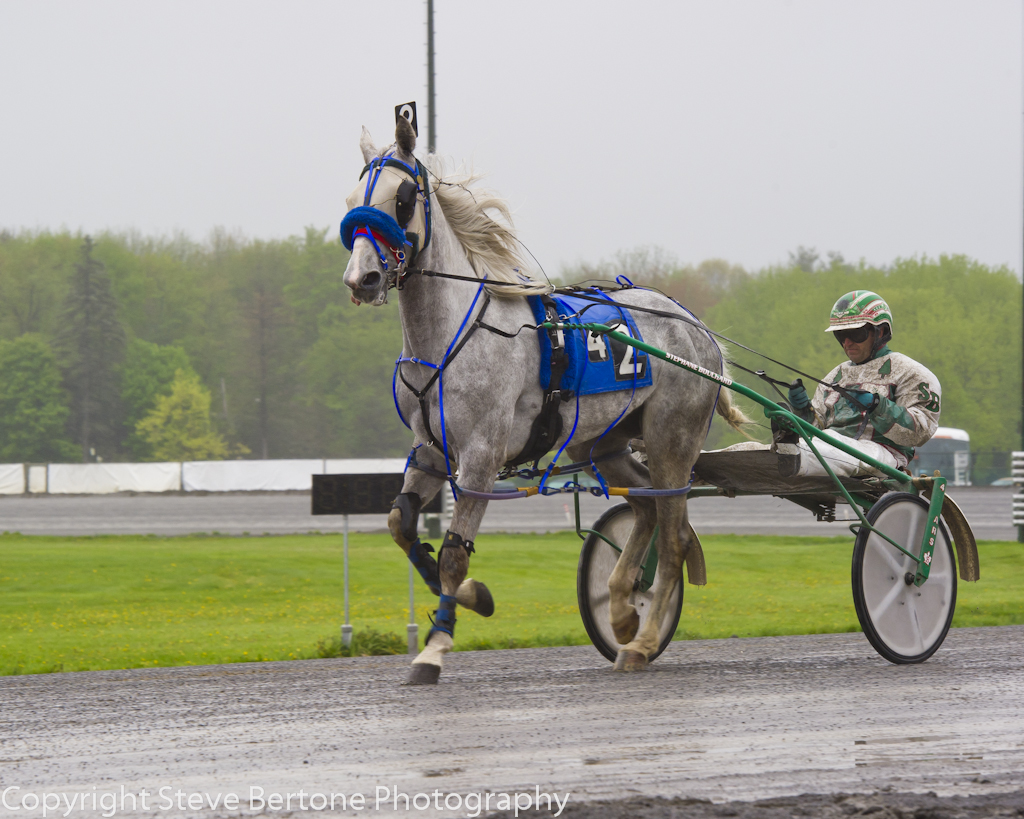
<point>909,401</point>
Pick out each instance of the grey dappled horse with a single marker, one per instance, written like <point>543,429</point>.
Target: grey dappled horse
<point>492,392</point>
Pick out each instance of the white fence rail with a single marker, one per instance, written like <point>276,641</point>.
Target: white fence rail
<point>104,479</point>
<point>12,479</point>
<point>190,476</point>
<point>249,476</point>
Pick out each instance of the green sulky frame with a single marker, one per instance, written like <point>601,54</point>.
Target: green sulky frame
<point>895,480</point>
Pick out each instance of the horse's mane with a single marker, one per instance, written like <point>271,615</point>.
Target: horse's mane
<point>490,243</point>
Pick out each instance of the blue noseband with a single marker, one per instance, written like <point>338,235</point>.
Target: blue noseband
<point>377,221</point>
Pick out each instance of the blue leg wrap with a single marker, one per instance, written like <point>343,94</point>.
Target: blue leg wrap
<point>426,565</point>
<point>444,617</point>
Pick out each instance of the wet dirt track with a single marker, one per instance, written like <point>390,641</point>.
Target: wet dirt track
<point>725,720</point>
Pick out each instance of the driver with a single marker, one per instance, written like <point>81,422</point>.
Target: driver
<point>890,403</point>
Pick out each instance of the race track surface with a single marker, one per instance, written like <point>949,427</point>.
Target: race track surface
<point>987,508</point>
<point>722,720</point>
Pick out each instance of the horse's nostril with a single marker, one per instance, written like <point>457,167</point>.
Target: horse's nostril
<point>371,280</point>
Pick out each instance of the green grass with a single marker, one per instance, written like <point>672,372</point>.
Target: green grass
<point>128,602</point>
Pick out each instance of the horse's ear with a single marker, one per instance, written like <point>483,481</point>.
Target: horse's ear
<point>366,146</point>
<point>405,136</point>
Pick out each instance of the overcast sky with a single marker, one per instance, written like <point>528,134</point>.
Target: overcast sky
<point>737,129</point>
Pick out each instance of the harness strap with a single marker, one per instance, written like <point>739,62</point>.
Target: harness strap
<point>528,474</point>
<point>376,238</point>
<point>421,395</point>
<point>545,430</point>
<point>579,293</point>
<point>498,332</point>
<point>547,426</point>
<point>577,489</point>
<point>429,470</point>
<point>632,395</point>
<point>457,343</point>
<point>559,355</point>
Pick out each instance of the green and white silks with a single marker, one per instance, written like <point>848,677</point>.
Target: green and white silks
<point>907,415</point>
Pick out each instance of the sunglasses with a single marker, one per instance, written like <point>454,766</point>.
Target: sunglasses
<point>857,335</point>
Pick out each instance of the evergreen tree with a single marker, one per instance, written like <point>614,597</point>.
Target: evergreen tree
<point>265,353</point>
<point>91,344</point>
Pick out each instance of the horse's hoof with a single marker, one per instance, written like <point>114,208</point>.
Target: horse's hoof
<point>630,661</point>
<point>475,596</point>
<point>423,674</point>
<point>626,630</point>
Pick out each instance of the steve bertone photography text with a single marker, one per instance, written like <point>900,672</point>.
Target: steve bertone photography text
<point>169,799</point>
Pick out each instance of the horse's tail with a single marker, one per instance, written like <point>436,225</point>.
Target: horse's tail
<point>733,415</point>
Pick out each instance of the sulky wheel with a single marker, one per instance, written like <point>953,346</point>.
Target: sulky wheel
<point>597,559</point>
<point>905,623</point>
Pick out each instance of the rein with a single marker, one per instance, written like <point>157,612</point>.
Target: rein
<point>580,293</point>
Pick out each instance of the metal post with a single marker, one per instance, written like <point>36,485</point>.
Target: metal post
<point>431,120</point>
<point>412,629</point>
<point>346,629</point>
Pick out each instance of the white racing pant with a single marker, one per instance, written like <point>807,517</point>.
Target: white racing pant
<point>845,466</point>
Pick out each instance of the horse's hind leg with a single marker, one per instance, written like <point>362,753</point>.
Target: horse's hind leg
<point>671,519</point>
<point>666,472</point>
<point>627,471</point>
<point>623,615</point>
<point>419,489</point>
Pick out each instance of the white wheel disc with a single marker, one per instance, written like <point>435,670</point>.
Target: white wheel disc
<point>904,622</point>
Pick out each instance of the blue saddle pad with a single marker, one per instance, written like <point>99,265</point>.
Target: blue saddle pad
<point>596,363</point>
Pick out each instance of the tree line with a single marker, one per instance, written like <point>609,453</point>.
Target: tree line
<point>126,347</point>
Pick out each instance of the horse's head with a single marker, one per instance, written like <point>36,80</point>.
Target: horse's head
<point>388,222</point>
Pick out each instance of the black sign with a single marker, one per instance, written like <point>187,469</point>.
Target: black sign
<point>408,110</point>
<point>361,494</point>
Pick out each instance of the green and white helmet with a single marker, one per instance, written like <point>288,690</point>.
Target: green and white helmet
<point>858,308</point>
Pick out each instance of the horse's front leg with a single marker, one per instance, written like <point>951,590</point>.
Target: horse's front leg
<point>453,566</point>
<point>418,490</point>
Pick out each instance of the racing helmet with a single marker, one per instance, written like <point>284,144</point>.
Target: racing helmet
<point>858,308</point>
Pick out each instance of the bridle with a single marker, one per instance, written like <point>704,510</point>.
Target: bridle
<point>387,233</point>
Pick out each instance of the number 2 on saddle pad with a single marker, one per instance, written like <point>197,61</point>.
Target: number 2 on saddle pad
<point>624,358</point>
